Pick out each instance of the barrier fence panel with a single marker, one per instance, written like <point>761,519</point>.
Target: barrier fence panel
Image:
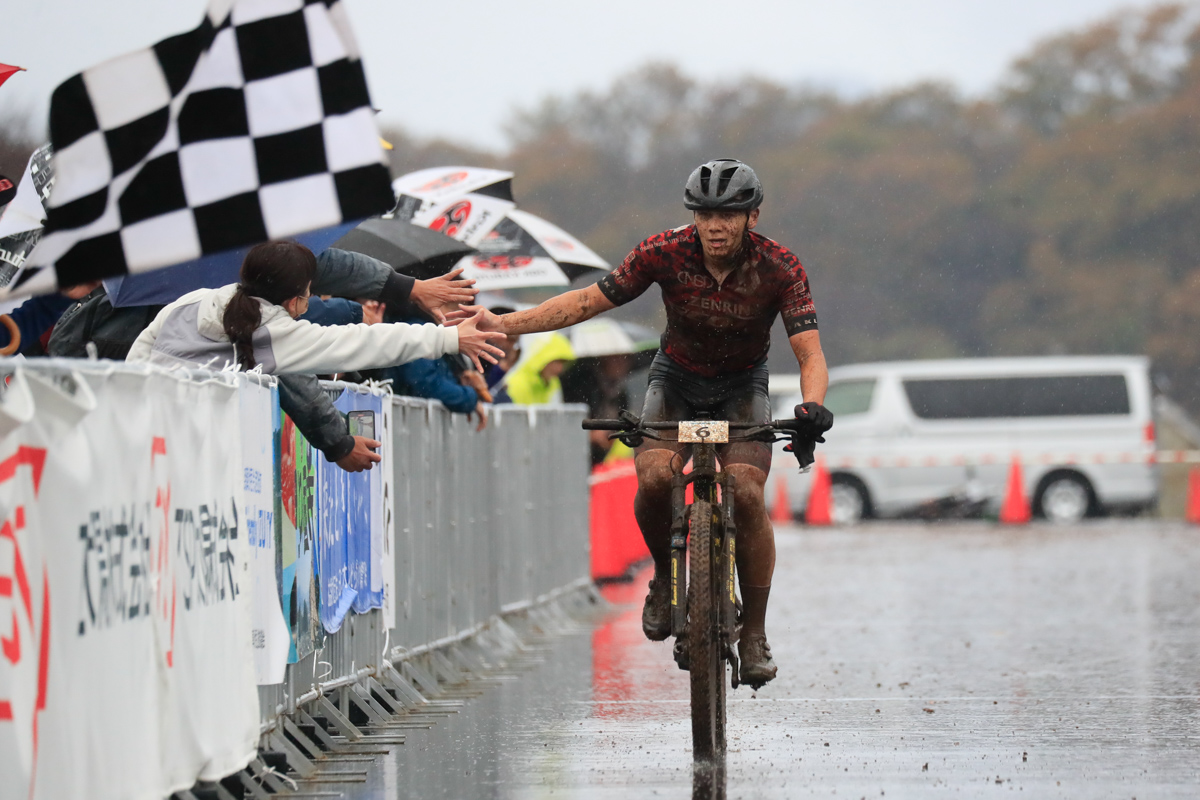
<point>175,533</point>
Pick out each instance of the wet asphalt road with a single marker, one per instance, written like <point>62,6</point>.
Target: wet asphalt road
<point>915,661</point>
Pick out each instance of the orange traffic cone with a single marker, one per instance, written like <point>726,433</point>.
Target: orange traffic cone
<point>1015,508</point>
<point>781,511</point>
<point>820,499</point>
<point>1192,514</point>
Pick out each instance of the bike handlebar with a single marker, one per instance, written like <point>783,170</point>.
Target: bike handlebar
<point>622,425</point>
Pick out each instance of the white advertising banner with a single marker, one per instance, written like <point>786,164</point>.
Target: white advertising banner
<point>269,634</point>
<point>126,661</point>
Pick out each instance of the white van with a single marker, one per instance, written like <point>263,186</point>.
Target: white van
<point>909,434</point>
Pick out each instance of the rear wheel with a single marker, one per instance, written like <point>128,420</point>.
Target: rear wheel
<point>707,662</point>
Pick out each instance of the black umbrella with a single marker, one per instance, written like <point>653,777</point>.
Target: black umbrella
<point>411,249</point>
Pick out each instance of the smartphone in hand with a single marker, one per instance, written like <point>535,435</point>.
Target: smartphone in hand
<point>362,423</point>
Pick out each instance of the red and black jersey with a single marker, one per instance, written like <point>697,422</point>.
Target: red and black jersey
<point>715,330</point>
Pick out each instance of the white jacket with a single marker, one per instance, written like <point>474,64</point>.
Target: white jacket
<point>189,332</point>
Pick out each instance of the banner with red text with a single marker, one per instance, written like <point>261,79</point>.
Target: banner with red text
<point>126,659</point>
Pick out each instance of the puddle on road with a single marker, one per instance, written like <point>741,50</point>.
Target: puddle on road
<point>912,663</point>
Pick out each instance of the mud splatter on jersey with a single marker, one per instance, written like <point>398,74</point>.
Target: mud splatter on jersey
<point>716,329</point>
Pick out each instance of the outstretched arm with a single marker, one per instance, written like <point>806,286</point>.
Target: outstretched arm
<point>814,375</point>
<point>555,314</point>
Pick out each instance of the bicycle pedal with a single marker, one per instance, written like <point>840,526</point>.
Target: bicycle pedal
<point>737,673</point>
<point>681,655</point>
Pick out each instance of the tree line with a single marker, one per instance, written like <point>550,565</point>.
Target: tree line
<point>1060,214</point>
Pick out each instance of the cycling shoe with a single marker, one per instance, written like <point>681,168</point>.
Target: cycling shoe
<point>656,613</point>
<point>757,667</point>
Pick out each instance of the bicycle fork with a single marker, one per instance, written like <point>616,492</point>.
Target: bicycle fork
<point>725,560</point>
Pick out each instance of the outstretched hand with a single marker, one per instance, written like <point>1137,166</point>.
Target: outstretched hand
<point>430,295</point>
<point>487,322</point>
<point>474,342</point>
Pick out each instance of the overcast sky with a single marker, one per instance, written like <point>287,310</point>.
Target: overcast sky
<point>456,69</point>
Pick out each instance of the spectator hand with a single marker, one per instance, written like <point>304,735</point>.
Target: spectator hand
<point>434,293</point>
<point>362,456</point>
<point>476,382</point>
<point>481,412</point>
<point>473,340</point>
<point>372,311</point>
<point>488,321</point>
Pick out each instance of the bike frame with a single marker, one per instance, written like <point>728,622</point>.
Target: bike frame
<point>705,479</point>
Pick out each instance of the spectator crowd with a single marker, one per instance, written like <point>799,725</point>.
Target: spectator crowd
<point>339,314</point>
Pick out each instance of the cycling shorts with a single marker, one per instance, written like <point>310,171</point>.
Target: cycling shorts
<point>674,394</point>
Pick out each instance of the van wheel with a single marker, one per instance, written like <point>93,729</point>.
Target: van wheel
<point>851,502</point>
<point>1064,496</point>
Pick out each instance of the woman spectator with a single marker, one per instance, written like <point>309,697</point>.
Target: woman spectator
<point>254,323</point>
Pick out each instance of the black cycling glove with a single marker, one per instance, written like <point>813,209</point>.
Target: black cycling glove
<point>818,416</point>
<point>804,440</point>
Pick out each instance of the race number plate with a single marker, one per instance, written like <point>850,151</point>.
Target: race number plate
<point>710,431</point>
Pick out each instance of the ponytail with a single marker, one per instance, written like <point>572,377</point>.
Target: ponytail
<point>272,271</point>
<point>242,317</point>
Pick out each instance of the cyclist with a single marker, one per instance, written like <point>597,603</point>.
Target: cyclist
<point>722,285</point>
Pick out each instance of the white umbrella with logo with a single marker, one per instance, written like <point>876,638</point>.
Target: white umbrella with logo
<point>419,192</point>
<point>516,249</point>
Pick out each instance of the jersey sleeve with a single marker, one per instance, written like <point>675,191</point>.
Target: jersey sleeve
<point>796,306</point>
<point>628,281</point>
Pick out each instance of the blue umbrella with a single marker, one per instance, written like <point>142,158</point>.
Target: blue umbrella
<point>162,286</point>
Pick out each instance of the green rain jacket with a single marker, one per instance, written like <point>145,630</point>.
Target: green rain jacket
<point>525,385</point>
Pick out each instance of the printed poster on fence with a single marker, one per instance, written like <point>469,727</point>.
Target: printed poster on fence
<point>269,635</point>
<point>350,526</point>
<point>296,525</point>
<point>126,667</point>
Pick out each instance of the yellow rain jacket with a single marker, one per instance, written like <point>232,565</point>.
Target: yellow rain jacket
<point>525,385</point>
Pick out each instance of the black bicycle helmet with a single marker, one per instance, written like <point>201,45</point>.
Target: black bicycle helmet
<point>725,184</point>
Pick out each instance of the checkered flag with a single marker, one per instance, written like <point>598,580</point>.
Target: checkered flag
<point>254,126</point>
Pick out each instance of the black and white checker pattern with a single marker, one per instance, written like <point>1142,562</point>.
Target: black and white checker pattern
<point>255,125</point>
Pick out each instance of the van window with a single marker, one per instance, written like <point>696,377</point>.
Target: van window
<point>850,397</point>
<point>1034,396</point>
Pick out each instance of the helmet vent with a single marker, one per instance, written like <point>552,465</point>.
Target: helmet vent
<point>705,176</point>
<point>726,177</point>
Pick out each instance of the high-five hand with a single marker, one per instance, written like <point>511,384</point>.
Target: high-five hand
<point>473,342</point>
<point>488,321</point>
<point>434,293</point>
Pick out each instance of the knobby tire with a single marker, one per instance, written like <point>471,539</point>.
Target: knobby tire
<point>706,661</point>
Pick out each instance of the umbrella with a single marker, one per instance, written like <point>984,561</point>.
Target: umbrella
<point>610,337</point>
<point>411,249</point>
<point>21,222</point>
<point>419,191</point>
<point>524,250</point>
<point>7,71</point>
<point>8,190</point>
<point>474,205</point>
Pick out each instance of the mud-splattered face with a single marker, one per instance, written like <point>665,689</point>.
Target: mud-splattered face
<point>721,232</point>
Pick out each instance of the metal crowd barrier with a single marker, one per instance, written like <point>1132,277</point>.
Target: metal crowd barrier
<point>486,523</point>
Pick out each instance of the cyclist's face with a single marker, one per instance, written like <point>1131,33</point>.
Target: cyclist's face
<point>721,232</point>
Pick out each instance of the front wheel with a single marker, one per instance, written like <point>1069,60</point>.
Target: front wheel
<point>706,659</point>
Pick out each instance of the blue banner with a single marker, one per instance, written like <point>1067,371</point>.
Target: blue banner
<point>348,509</point>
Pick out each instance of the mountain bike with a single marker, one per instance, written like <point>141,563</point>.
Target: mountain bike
<point>705,609</point>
